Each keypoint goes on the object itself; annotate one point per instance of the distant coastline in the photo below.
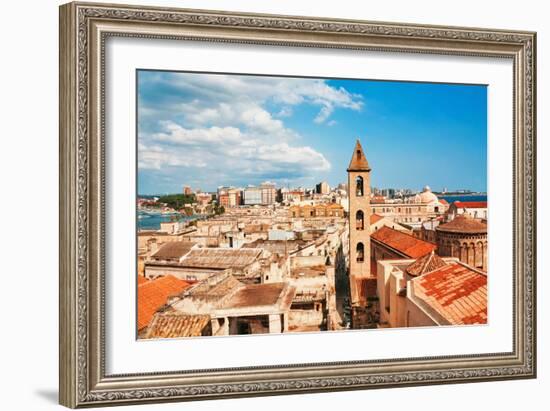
(463, 197)
(151, 221)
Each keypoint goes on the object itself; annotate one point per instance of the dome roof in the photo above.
(464, 223)
(427, 197)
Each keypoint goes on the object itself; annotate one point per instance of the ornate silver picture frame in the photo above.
(84, 30)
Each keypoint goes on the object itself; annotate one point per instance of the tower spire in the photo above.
(358, 159)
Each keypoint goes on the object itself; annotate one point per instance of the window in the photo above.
(359, 220)
(359, 186)
(360, 252)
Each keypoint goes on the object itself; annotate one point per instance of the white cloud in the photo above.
(246, 115)
(284, 112)
(232, 126)
(323, 114)
(228, 148)
(228, 90)
(156, 158)
(173, 133)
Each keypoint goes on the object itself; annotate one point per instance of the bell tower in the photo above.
(359, 224)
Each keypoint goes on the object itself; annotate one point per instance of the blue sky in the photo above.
(207, 130)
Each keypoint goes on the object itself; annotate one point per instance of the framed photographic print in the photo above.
(260, 204)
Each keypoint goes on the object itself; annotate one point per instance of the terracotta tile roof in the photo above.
(378, 200)
(221, 257)
(443, 201)
(257, 295)
(358, 160)
(177, 325)
(456, 292)
(374, 218)
(153, 294)
(215, 290)
(464, 223)
(173, 250)
(425, 264)
(280, 247)
(470, 204)
(406, 244)
(141, 280)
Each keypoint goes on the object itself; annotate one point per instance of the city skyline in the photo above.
(381, 190)
(207, 130)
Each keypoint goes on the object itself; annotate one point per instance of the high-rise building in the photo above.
(359, 224)
(322, 188)
(343, 186)
(252, 195)
(229, 196)
(268, 193)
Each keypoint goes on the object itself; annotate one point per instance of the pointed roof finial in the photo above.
(358, 159)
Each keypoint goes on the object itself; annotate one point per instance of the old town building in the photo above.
(476, 209)
(414, 210)
(200, 263)
(464, 238)
(430, 291)
(314, 305)
(292, 196)
(378, 221)
(317, 210)
(238, 308)
(390, 244)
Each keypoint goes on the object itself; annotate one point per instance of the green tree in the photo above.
(177, 201)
